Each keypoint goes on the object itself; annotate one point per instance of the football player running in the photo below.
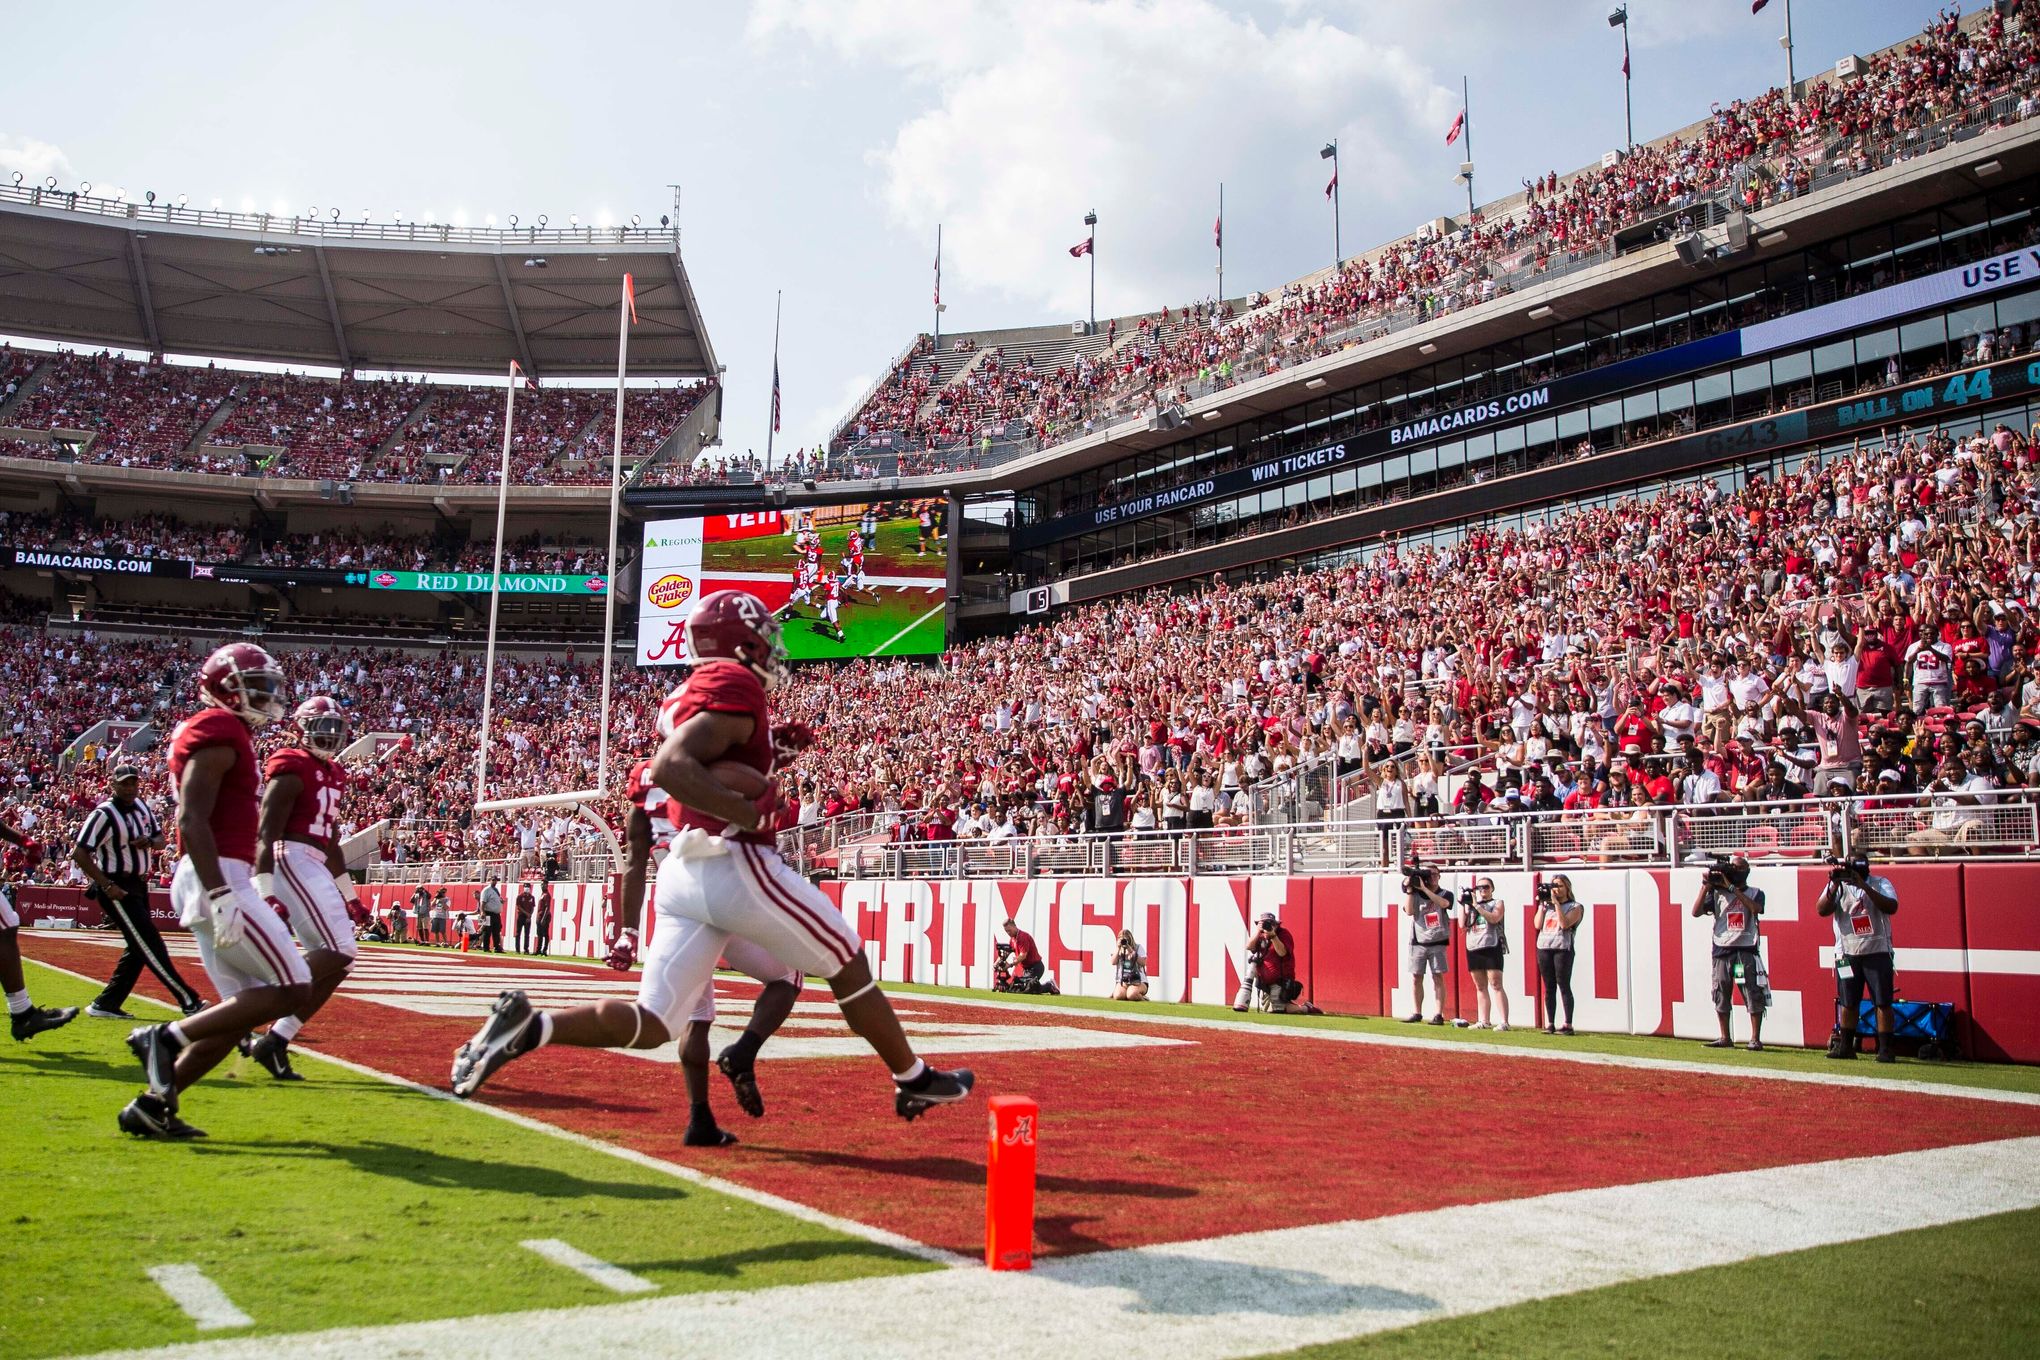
(298, 863)
(722, 881)
(647, 836)
(245, 947)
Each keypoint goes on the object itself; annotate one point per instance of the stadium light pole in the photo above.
(1091, 221)
(1619, 18)
(1331, 153)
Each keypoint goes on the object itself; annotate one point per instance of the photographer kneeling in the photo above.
(1862, 905)
(1271, 968)
(1429, 908)
(1487, 946)
(1727, 896)
(1129, 970)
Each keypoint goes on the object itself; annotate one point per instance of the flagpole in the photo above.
(938, 290)
(626, 313)
(1791, 81)
(1221, 240)
(772, 420)
(1091, 221)
(1466, 114)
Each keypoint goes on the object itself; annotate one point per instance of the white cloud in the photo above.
(36, 160)
(1041, 110)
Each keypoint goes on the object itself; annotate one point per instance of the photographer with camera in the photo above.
(1028, 967)
(1129, 970)
(1487, 943)
(1558, 917)
(1861, 905)
(1271, 969)
(1430, 911)
(1726, 895)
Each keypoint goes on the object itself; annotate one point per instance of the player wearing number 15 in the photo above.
(298, 865)
(245, 949)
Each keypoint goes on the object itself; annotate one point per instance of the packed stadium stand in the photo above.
(1699, 488)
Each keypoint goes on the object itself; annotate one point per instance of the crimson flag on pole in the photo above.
(775, 392)
(1333, 185)
(1218, 230)
(1452, 133)
(1625, 66)
(1081, 249)
(1757, 6)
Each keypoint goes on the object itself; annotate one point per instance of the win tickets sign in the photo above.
(853, 580)
(669, 582)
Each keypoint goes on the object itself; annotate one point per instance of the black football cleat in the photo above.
(38, 1019)
(274, 1056)
(743, 1084)
(510, 1031)
(157, 1052)
(99, 1012)
(147, 1117)
(711, 1136)
(933, 1087)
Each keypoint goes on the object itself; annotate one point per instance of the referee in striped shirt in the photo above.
(113, 849)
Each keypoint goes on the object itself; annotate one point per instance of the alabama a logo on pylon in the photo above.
(1022, 1132)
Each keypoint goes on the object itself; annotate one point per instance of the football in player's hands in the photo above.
(739, 778)
(622, 950)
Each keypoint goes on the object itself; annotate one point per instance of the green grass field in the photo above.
(343, 1200)
(1970, 1290)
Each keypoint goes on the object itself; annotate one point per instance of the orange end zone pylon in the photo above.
(1009, 1183)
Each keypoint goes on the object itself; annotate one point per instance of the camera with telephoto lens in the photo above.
(1544, 894)
(1725, 874)
(1842, 869)
(1414, 872)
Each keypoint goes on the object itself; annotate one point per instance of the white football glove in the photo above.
(227, 922)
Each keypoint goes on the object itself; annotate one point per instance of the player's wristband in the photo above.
(264, 885)
(344, 881)
(223, 891)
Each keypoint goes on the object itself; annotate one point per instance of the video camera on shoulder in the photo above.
(1415, 872)
(1844, 869)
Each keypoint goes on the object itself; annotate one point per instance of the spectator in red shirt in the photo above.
(1027, 961)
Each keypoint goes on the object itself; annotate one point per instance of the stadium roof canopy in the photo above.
(351, 295)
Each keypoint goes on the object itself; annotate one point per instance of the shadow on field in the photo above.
(86, 1065)
(1185, 1286)
(444, 1171)
(963, 1171)
(733, 1262)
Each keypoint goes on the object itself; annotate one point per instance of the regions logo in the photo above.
(670, 591)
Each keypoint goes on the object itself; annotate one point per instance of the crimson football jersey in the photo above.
(657, 805)
(722, 687)
(315, 816)
(233, 812)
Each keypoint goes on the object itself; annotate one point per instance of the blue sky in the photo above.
(818, 142)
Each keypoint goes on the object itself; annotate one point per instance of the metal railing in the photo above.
(1923, 826)
(329, 225)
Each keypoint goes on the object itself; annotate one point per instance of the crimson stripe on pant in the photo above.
(805, 916)
(311, 904)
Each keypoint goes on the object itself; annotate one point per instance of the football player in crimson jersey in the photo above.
(647, 835)
(246, 949)
(24, 1018)
(722, 880)
(298, 863)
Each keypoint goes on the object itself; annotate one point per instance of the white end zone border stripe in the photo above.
(1237, 1296)
(204, 1302)
(792, 1208)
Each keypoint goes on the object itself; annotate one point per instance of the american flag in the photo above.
(775, 392)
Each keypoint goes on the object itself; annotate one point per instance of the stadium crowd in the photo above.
(1757, 151)
(103, 409)
(1864, 625)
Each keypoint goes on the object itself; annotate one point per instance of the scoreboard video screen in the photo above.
(864, 579)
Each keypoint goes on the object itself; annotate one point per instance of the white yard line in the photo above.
(610, 1277)
(879, 650)
(1244, 1295)
(204, 1302)
(792, 1208)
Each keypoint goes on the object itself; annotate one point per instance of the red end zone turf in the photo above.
(1231, 1132)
